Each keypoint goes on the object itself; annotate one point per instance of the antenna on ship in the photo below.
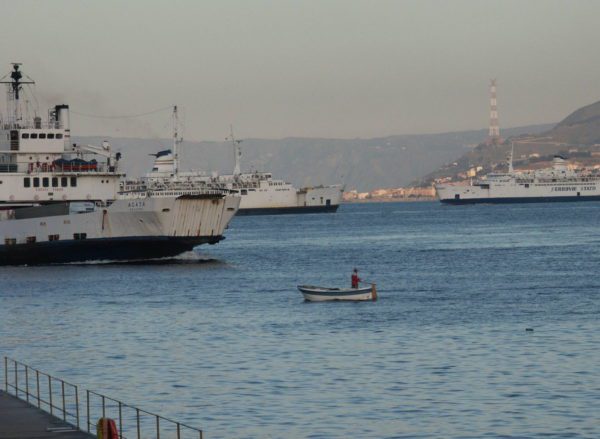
(15, 85)
(237, 151)
(510, 158)
(176, 141)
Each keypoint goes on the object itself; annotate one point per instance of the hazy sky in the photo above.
(337, 68)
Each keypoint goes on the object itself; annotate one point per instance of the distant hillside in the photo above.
(582, 127)
(577, 137)
(363, 164)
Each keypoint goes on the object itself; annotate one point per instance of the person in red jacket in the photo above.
(355, 279)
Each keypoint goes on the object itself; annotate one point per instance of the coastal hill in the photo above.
(363, 164)
(577, 138)
(582, 127)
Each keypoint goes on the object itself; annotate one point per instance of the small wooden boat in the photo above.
(320, 294)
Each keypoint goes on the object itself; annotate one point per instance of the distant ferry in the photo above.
(558, 183)
(261, 194)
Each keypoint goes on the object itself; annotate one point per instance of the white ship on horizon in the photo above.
(558, 183)
(261, 194)
(62, 202)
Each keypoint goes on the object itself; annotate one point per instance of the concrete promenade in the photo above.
(19, 420)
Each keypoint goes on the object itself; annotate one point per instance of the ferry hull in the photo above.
(102, 249)
(287, 210)
(130, 229)
(513, 200)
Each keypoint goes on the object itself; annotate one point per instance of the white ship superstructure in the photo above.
(558, 183)
(61, 202)
(260, 192)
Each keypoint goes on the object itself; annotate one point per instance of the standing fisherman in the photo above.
(355, 279)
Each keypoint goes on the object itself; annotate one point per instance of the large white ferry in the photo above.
(261, 194)
(558, 183)
(61, 202)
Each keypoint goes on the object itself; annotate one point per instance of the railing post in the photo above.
(27, 383)
(87, 401)
(6, 374)
(50, 391)
(138, 423)
(16, 380)
(201, 436)
(103, 407)
(120, 421)
(37, 380)
(157, 427)
(178, 431)
(77, 405)
(63, 400)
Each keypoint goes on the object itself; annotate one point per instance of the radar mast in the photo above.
(510, 158)
(237, 151)
(176, 141)
(13, 89)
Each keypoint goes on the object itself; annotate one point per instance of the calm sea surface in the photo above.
(223, 340)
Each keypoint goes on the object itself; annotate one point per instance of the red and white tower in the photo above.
(494, 133)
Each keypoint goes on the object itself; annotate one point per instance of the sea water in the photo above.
(222, 340)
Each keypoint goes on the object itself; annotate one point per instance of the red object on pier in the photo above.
(106, 428)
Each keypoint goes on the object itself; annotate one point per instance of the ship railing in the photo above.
(83, 168)
(174, 186)
(82, 409)
(30, 125)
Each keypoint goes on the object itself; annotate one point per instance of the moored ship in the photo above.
(261, 194)
(62, 202)
(558, 183)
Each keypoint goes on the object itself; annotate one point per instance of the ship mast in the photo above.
(14, 87)
(176, 141)
(237, 151)
(510, 158)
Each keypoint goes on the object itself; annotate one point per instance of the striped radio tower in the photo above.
(494, 134)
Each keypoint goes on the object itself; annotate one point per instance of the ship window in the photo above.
(25, 136)
(45, 182)
(51, 135)
(59, 135)
(42, 135)
(64, 181)
(53, 237)
(27, 182)
(34, 135)
(73, 181)
(30, 239)
(526, 185)
(244, 192)
(54, 181)
(36, 182)
(79, 236)
(10, 241)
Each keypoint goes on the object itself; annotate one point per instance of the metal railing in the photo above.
(61, 399)
(53, 395)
